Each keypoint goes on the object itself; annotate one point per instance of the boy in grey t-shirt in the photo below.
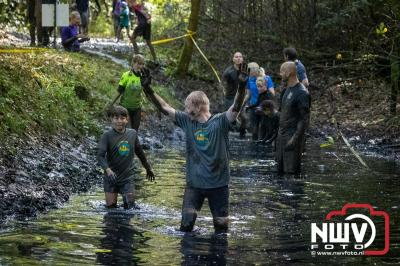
(207, 156)
(115, 155)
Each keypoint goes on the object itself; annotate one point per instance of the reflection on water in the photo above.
(204, 250)
(270, 216)
(117, 246)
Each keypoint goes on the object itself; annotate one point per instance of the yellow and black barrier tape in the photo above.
(22, 50)
(172, 39)
(190, 34)
(205, 58)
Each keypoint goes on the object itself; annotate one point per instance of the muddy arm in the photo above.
(101, 152)
(70, 40)
(234, 110)
(142, 157)
(159, 102)
(301, 127)
(140, 154)
(271, 139)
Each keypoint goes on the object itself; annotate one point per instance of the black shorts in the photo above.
(218, 200)
(119, 187)
(135, 116)
(143, 30)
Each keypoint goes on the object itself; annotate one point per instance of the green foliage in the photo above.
(102, 25)
(168, 94)
(37, 92)
(381, 29)
(169, 17)
(13, 12)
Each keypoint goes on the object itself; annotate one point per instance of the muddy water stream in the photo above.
(270, 217)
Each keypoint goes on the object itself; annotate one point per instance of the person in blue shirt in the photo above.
(255, 94)
(124, 20)
(265, 86)
(290, 54)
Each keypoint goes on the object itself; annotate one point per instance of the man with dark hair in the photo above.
(207, 143)
(290, 54)
(230, 82)
(294, 118)
(115, 155)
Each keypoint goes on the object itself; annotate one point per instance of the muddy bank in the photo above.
(41, 173)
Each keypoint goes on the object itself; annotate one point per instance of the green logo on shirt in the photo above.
(201, 137)
(124, 148)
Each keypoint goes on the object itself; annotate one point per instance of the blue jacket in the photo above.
(252, 86)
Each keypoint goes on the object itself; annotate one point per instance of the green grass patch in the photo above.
(53, 90)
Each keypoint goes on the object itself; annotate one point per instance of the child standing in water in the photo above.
(115, 155)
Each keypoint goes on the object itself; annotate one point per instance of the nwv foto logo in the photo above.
(350, 232)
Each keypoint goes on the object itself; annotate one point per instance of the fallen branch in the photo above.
(353, 150)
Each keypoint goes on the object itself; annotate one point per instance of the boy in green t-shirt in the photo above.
(130, 91)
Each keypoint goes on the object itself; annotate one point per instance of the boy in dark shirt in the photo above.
(115, 155)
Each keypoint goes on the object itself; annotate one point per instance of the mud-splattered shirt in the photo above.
(116, 150)
(131, 90)
(230, 76)
(293, 99)
(207, 155)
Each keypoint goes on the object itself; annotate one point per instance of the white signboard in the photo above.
(62, 15)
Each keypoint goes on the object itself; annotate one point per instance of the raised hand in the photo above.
(243, 74)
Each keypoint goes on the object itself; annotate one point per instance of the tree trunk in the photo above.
(395, 81)
(187, 51)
